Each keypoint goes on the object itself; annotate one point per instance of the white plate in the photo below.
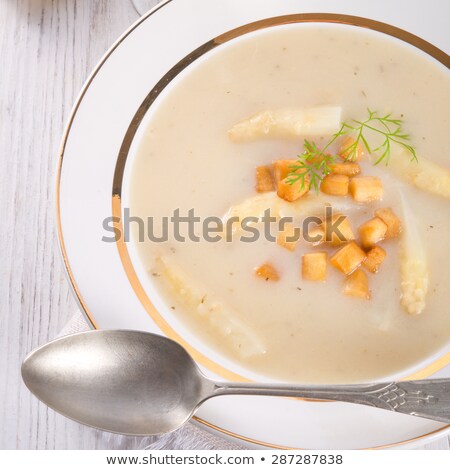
(102, 275)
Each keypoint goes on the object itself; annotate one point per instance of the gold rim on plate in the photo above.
(123, 155)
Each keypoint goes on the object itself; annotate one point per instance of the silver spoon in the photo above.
(131, 382)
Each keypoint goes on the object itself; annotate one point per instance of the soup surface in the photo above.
(293, 329)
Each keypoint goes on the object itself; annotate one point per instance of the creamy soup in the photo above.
(291, 327)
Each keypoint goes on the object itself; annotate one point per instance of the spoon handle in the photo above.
(425, 398)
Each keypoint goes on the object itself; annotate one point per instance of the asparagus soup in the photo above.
(341, 131)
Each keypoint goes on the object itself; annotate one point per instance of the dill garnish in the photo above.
(314, 164)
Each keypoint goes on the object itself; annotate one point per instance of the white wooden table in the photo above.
(47, 49)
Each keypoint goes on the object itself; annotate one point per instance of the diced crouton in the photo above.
(292, 192)
(348, 258)
(267, 272)
(338, 230)
(335, 185)
(264, 179)
(372, 232)
(394, 225)
(346, 168)
(374, 259)
(281, 168)
(350, 151)
(366, 188)
(314, 266)
(289, 192)
(357, 285)
(315, 235)
(288, 237)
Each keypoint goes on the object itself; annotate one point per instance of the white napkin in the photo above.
(189, 437)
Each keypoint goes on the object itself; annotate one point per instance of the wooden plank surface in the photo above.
(47, 49)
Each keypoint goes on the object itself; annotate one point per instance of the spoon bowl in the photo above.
(103, 379)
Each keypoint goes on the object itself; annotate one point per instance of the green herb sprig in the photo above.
(314, 164)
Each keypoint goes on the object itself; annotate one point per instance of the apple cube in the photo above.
(348, 258)
(357, 285)
(374, 259)
(264, 179)
(366, 188)
(372, 232)
(335, 185)
(394, 225)
(314, 266)
(267, 272)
